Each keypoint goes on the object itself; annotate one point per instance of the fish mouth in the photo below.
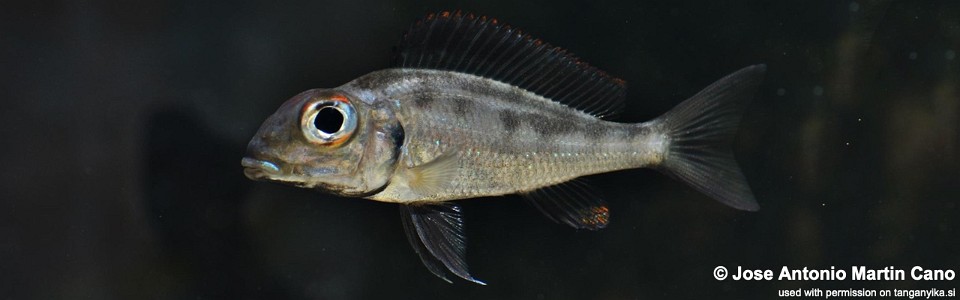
(258, 169)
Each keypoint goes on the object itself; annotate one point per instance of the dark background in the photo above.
(123, 124)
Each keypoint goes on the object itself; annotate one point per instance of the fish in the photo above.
(476, 108)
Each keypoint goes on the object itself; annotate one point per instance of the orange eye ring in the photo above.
(328, 121)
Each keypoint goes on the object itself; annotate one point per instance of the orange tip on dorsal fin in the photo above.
(483, 46)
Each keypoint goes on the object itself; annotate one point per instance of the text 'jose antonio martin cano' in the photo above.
(858, 273)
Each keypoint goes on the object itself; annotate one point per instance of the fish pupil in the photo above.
(329, 120)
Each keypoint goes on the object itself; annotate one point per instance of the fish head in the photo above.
(326, 139)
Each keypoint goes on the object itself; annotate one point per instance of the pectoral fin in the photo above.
(436, 233)
(573, 203)
(432, 177)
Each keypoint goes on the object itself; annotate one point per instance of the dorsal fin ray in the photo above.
(455, 41)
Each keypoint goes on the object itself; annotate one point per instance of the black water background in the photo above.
(123, 125)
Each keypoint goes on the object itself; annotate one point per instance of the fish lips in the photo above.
(259, 169)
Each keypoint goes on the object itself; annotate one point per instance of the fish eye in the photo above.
(328, 121)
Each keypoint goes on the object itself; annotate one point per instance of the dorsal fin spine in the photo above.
(540, 65)
(601, 108)
(510, 61)
(534, 54)
(478, 54)
(517, 74)
(450, 38)
(476, 49)
(602, 89)
(548, 78)
(544, 73)
(435, 58)
(467, 22)
(427, 37)
(559, 83)
(577, 88)
(425, 33)
(444, 37)
(506, 37)
(472, 42)
(498, 62)
(564, 92)
(590, 82)
(543, 82)
(605, 107)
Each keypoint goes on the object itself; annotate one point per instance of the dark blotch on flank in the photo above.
(424, 100)
(549, 126)
(510, 120)
(462, 106)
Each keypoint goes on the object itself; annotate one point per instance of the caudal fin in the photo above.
(700, 132)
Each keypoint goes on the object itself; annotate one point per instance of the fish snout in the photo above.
(259, 169)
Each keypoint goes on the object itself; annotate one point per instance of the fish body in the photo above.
(475, 108)
(499, 139)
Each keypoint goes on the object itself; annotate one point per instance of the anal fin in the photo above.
(573, 203)
(436, 233)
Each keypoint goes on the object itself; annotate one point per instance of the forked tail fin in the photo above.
(700, 132)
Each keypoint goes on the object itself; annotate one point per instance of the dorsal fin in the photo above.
(482, 46)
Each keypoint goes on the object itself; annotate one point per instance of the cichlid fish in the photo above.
(476, 108)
